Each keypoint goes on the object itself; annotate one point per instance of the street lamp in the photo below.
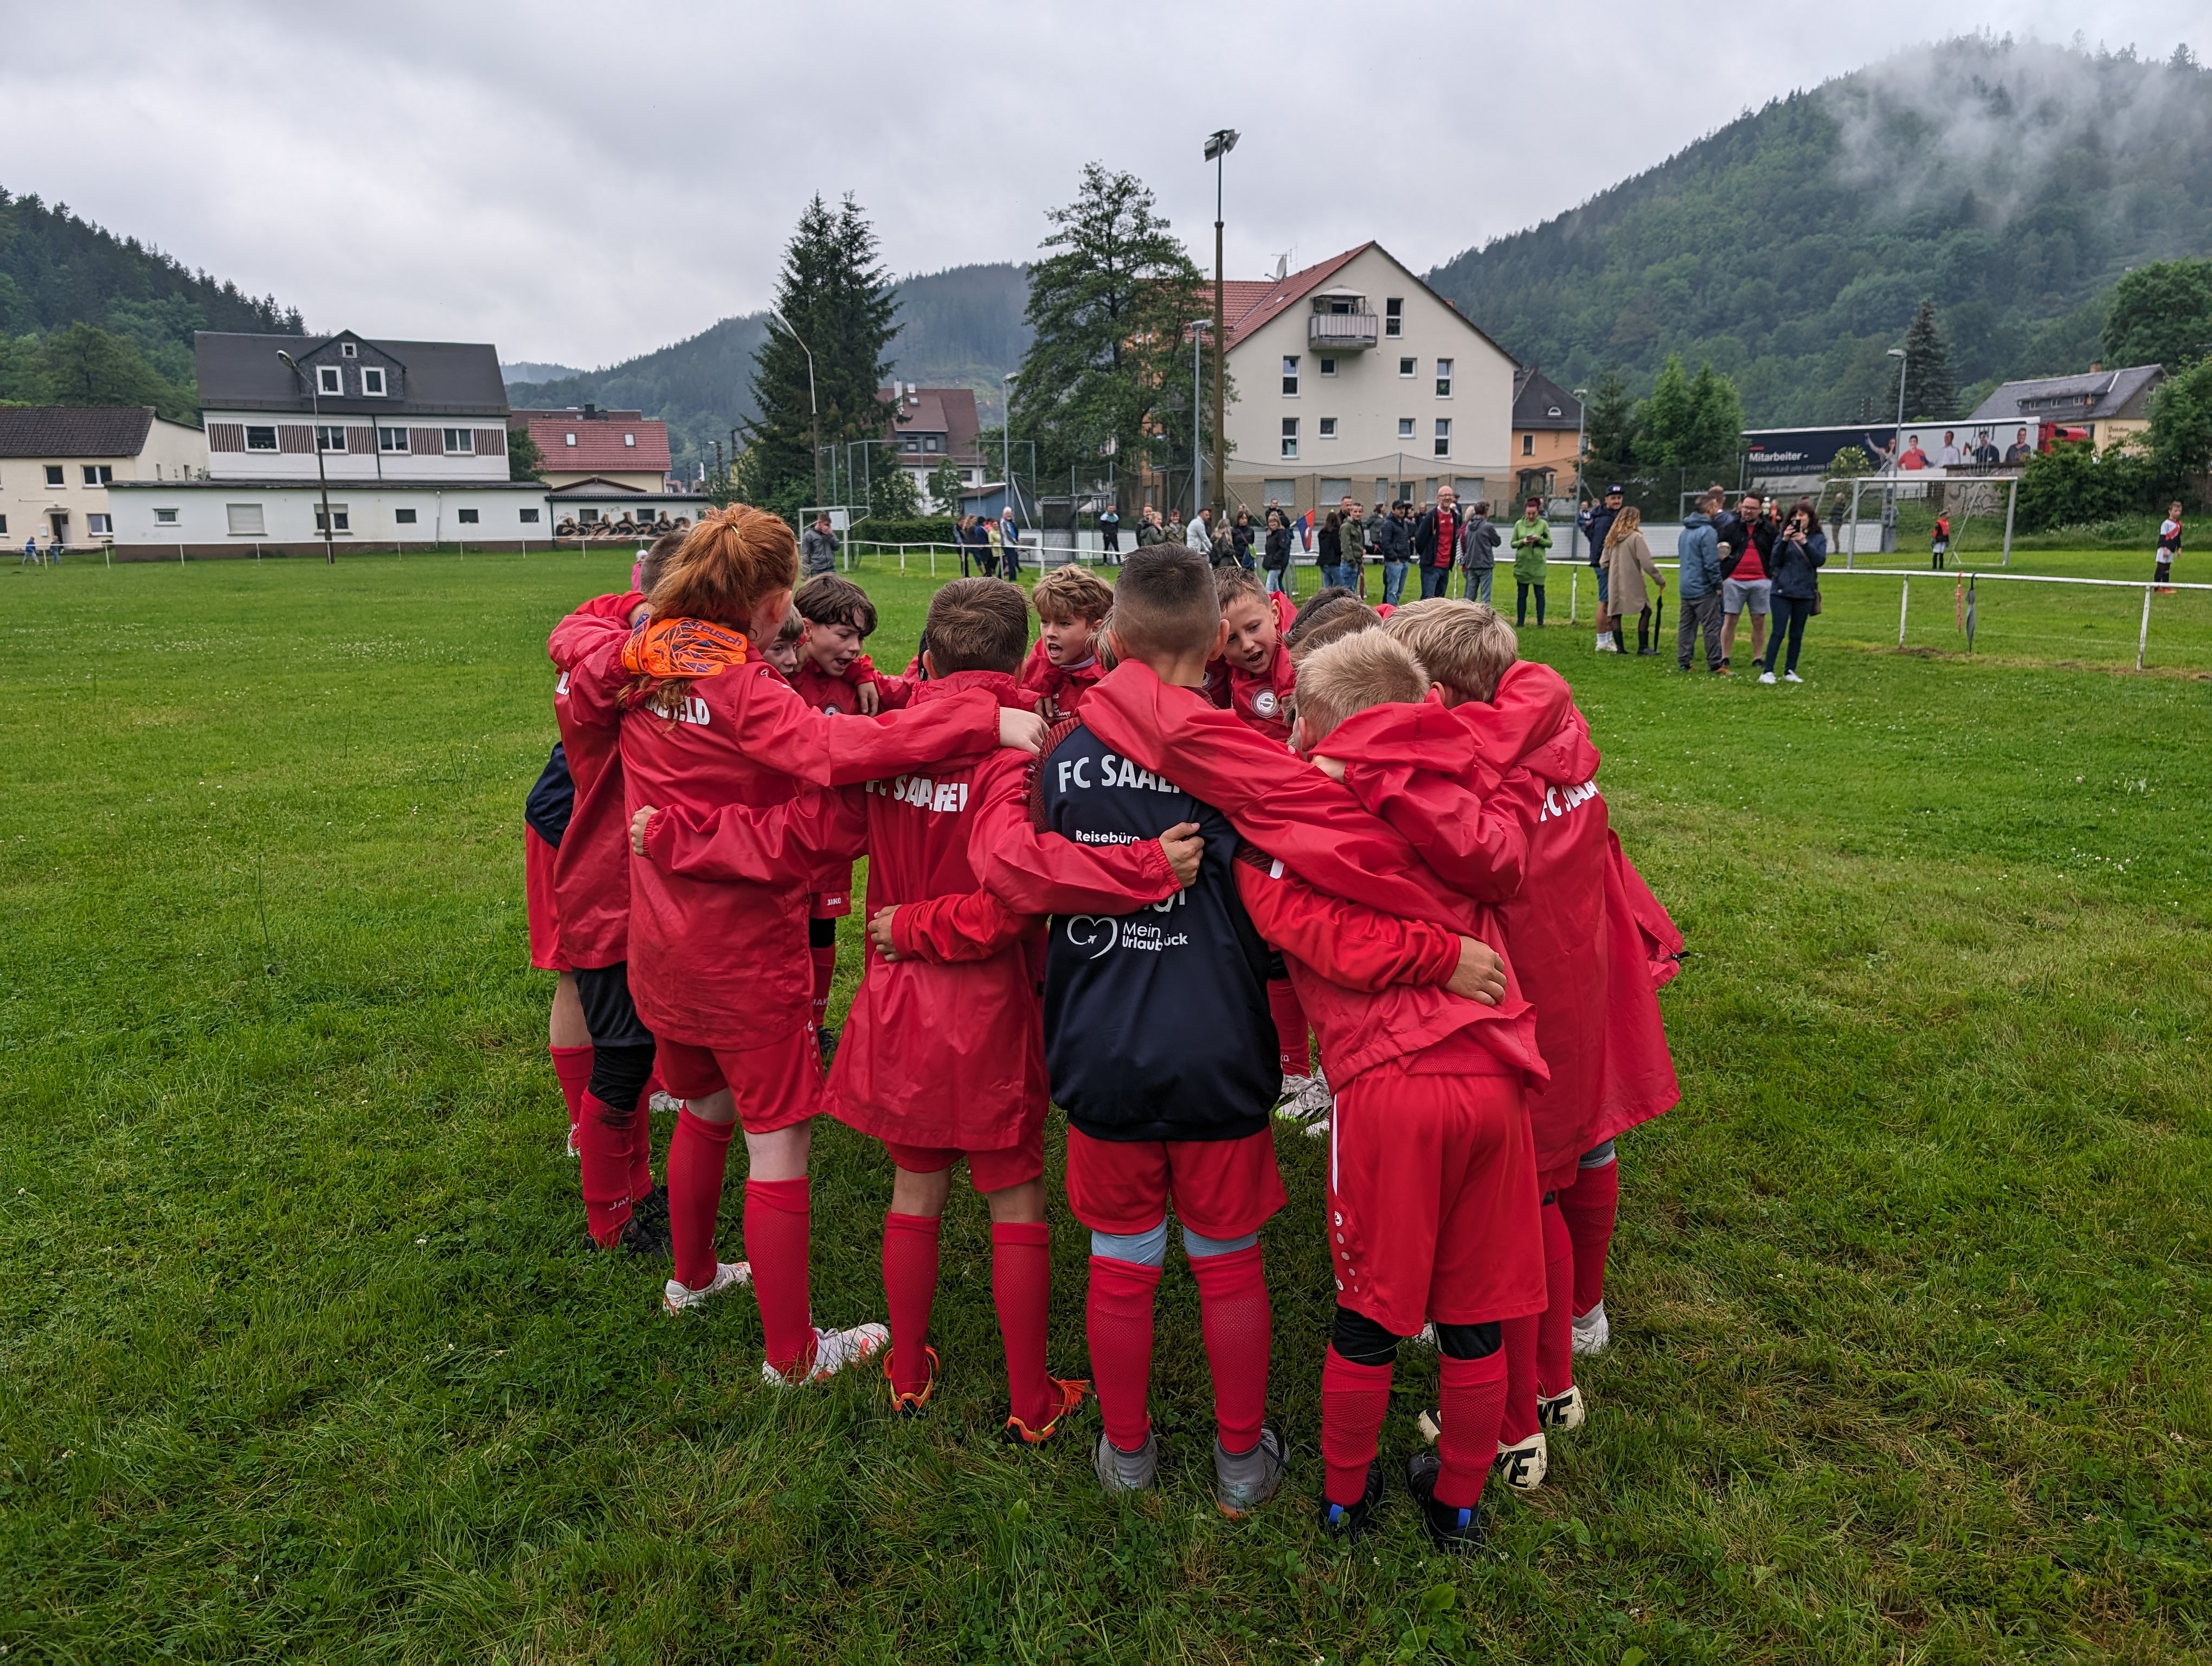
(1217, 146)
(1006, 442)
(1897, 438)
(1574, 531)
(1896, 456)
(1198, 328)
(813, 405)
(315, 405)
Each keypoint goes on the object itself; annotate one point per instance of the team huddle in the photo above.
(1139, 871)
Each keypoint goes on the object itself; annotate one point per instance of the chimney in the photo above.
(2096, 367)
(590, 412)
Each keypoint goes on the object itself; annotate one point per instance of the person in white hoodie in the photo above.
(1199, 535)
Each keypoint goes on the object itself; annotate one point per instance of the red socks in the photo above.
(1555, 1329)
(1588, 1208)
(775, 1243)
(1120, 1326)
(572, 1069)
(605, 1162)
(910, 1285)
(1290, 1026)
(1232, 1297)
(1021, 1286)
(640, 1155)
(1472, 1409)
(825, 968)
(697, 1153)
(1353, 1402)
(1520, 1352)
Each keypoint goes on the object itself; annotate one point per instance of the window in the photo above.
(100, 525)
(1393, 316)
(404, 517)
(932, 442)
(909, 443)
(1333, 492)
(1405, 427)
(629, 439)
(260, 439)
(1443, 436)
(348, 350)
(244, 519)
(589, 516)
(1284, 492)
(1409, 366)
(569, 439)
(329, 379)
(530, 516)
(372, 382)
(1328, 427)
(164, 518)
(1289, 436)
(468, 516)
(1329, 366)
(391, 439)
(3, 526)
(340, 519)
(99, 474)
(1290, 375)
(54, 471)
(460, 442)
(329, 437)
(1444, 379)
(1527, 445)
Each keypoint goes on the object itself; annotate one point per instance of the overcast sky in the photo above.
(581, 183)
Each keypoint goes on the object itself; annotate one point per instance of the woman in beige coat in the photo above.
(1627, 563)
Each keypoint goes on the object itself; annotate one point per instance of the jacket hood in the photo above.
(1399, 735)
(1696, 518)
(998, 684)
(1532, 723)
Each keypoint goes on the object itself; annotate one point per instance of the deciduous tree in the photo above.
(2161, 314)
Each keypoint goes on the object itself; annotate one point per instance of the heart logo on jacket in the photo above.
(1085, 930)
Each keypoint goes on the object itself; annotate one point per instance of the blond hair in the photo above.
(1368, 668)
(1629, 521)
(1466, 646)
(1071, 592)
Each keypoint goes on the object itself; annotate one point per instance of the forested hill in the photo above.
(961, 328)
(88, 318)
(2011, 183)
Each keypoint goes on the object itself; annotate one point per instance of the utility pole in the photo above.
(813, 404)
(1198, 326)
(1575, 529)
(1006, 442)
(315, 405)
(1217, 148)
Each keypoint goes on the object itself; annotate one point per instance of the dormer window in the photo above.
(629, 439)
(569, 439)
(348, 349)
(329, 378)
(372, 382)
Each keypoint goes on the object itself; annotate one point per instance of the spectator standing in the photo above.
(1698, 585)
(1177, 534)
(1109, 533)
(1275, 559)
(1532, 541)
(1745, 586)
(2169, 546)
(1477, 551)
(1150, 529)
(991, 539)
(1199, 534)
(960, 531)
(1327, 544)
(1597, 524)
(1800, 549)
(1393, 540)
(1435, 542)
(1939, 542)
(1010, 544)
(1242, 536)
(1628, 564)
(817, 550)
(1351, 544)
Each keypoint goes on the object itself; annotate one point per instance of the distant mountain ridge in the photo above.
(2011, 182)
(959, 328)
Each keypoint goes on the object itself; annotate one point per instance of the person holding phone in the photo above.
(1800, 549)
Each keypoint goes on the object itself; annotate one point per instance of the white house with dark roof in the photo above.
(1354, 376)
(58, 463)
(2107, 404)
(931, 427)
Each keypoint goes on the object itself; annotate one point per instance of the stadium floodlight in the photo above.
(1218, 145)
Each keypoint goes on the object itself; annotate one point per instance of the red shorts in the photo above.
(1433, 1200)
(537, 900)
(988, 1171)
(777, 1085)
(1221, 1188)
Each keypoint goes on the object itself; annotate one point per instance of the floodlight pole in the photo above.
(315, 406)
(812, 403)
(1198, 329)
(1574, 523)
(1216, 149)
(1006, 442)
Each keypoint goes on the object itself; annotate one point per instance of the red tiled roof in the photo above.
(1246, 305)
(599, 448)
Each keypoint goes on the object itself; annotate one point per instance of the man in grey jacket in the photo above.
(1697, 589)
(818, 548)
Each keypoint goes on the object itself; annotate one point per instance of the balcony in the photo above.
(1343, 331)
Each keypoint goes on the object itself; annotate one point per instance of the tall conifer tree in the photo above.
(1931, 391)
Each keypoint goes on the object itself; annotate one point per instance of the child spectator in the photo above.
(1072, 602)
(2169, 546)
(1939, 542)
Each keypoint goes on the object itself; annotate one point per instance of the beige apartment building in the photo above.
(56, 462)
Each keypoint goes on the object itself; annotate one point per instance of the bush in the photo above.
(914, 529)
(2075, 484)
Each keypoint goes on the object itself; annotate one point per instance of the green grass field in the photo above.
(302, 1355)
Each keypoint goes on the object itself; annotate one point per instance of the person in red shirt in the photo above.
(944, 1055)
(718, 969)
(1072, 602)
(788, 648)
(1517, 769)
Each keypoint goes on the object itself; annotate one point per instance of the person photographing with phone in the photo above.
(1800, 549)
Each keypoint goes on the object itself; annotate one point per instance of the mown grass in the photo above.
(301, 1357)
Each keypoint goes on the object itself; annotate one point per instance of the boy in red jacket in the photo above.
(944, 1058)
(1575, 948)
(1072, 602)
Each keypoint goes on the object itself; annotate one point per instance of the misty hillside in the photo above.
(2011, 182)
(961, 328)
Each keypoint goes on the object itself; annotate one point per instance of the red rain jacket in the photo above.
(727, 964)
(944, 1046)
(590, 868)
(1064, 685)
(833, 697)
(1291, 811)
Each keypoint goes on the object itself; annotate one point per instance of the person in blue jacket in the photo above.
(1698, 587)
(1801, 551)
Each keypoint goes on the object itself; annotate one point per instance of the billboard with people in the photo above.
(1933, 449)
